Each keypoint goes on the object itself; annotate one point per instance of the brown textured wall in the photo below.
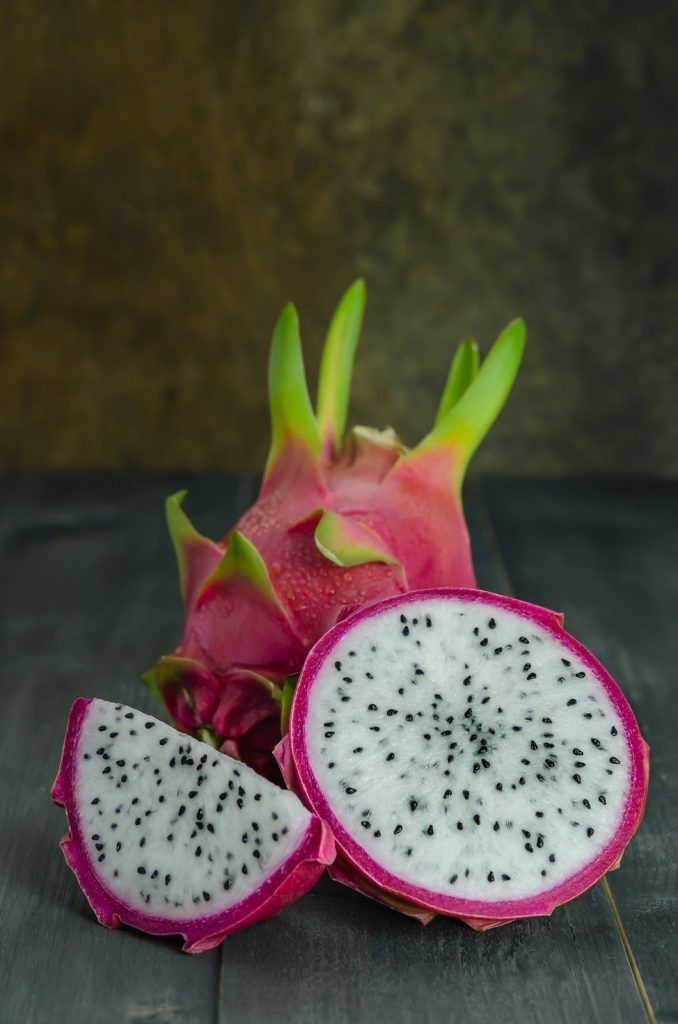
(171, 173)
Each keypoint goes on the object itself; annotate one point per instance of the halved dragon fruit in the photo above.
(172, 837)
(342, 518)
(469, 755)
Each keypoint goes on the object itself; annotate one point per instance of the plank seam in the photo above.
(492, 541)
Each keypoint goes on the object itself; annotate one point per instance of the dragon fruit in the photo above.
(172, 837)
(341, 519)
(470, 756)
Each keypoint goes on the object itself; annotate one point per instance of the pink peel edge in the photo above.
(478, 914)
(289, 881)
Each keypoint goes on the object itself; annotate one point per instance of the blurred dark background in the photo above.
(171, 173)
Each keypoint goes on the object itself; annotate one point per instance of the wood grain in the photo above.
(606, 554)
(88, 599)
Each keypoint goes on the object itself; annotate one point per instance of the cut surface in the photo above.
(463, 747)
(169, 828)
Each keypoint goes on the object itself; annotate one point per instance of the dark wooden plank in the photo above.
(88, 599)
(335, 956)
(606, 553)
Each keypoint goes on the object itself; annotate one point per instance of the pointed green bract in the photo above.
(243, 561)
(292, 416)
(196, 555)
(336, 366)
(463, 372)
(286, 702)
(347, 542)
(463, 428)
(150, 680)
(206, 734)
(184, 537)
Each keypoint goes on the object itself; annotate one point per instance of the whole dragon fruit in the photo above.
(341, 519)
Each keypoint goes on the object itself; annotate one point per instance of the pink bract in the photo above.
(341, 519)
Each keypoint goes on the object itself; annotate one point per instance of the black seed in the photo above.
(391, 712)
(141, 871)
(389, 757)
(571, 702)
(198, 851)
(528, 847)
(476, 818)
(460, 826)
(577, 751)
(405, 630)
(476, 768)
(614, 760)
(467, 681)
(577, 778)
(413, 805)
(613, 731)
(533, 745)
(506, 878)
(552, 858)
(193, 793)
(496, 826)
(227, 884)
(532, 675)
(589, 832)
(147, 725)
(549, 763)
(142, 841)
(329, 735)
(163, 741)
(490, 877)
(365, 824)
(350, 790)
(579, 675)
(602, 799)
(453, 879)
(499, 786)
(448, 792)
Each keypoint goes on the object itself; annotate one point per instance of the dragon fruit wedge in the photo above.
(172, 837)
(341, 519)
(469, 755)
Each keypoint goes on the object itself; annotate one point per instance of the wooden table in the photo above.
(89, 599)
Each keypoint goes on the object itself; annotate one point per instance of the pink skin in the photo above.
(355, 867)
(409, 503)
(290, 881)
